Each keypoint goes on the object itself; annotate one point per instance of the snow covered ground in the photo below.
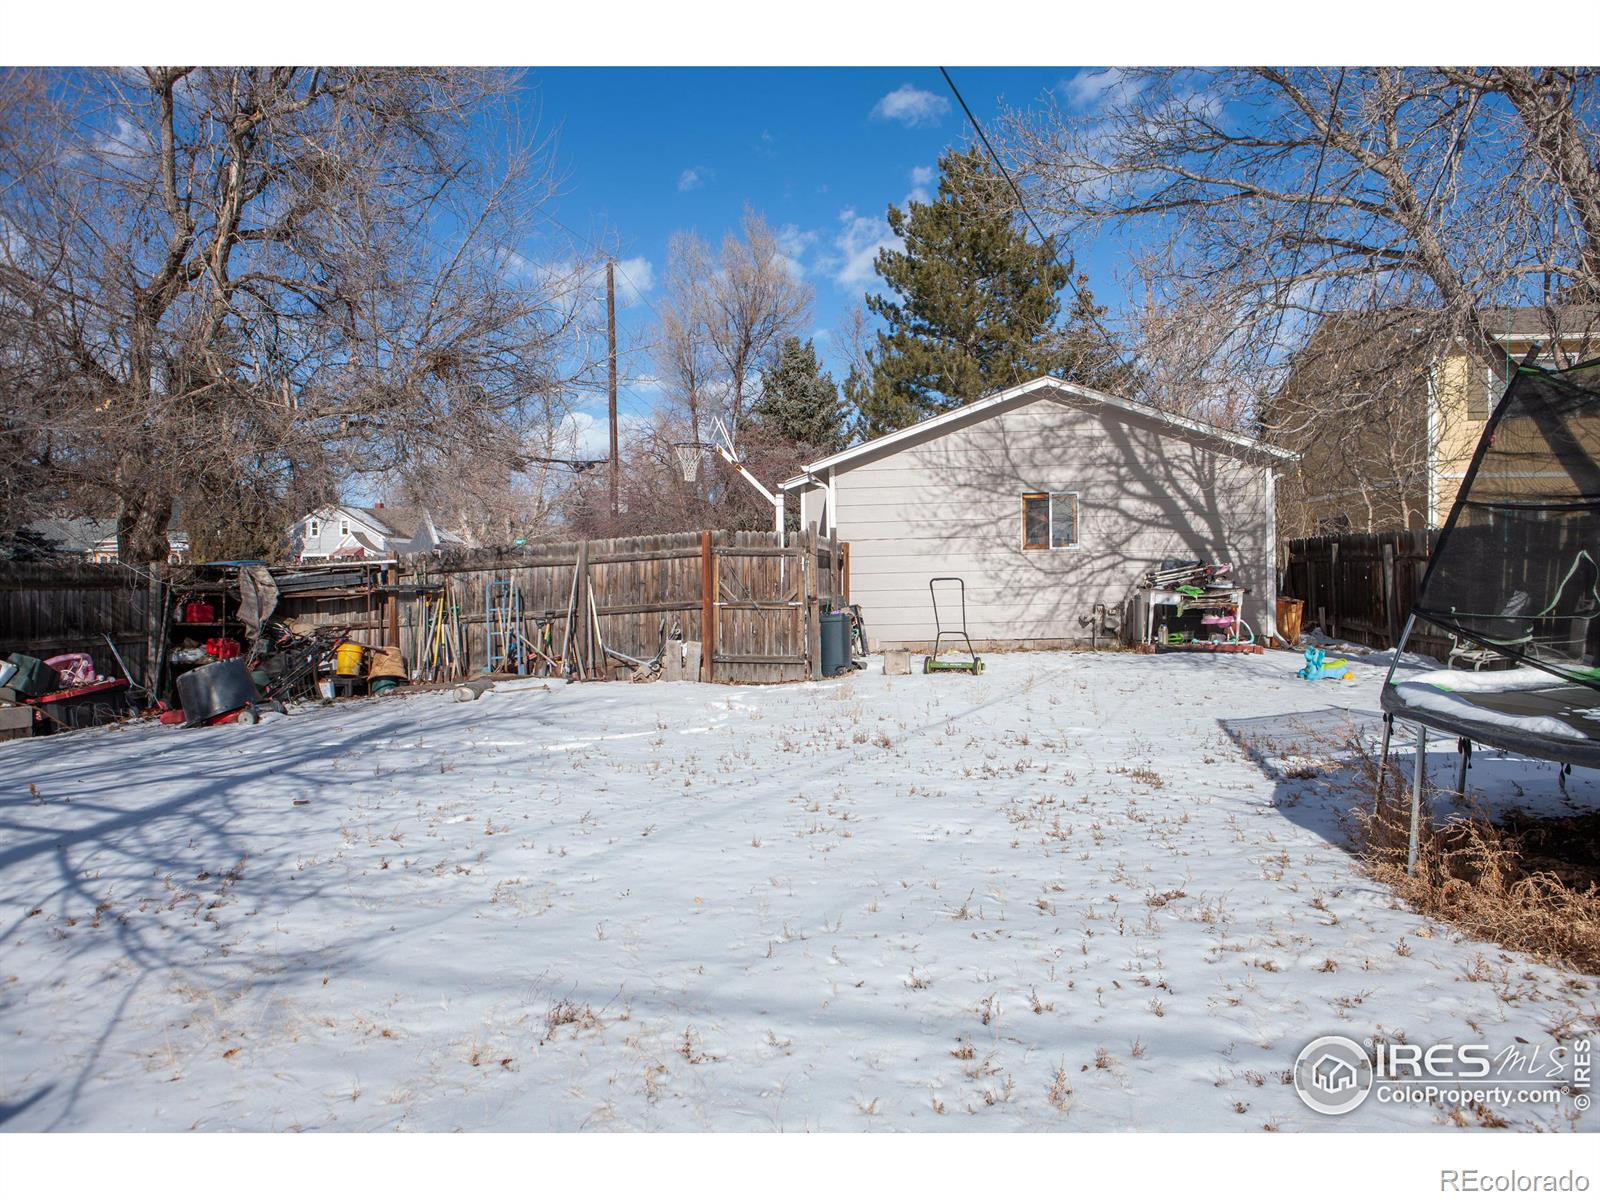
(1059, 896)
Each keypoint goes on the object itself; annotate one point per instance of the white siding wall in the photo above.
(813, 501)
(951, 505)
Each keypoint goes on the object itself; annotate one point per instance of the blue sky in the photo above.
(820, 152)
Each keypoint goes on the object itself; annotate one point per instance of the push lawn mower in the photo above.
(971, 664)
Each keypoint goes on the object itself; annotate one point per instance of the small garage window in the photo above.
(1049, 520)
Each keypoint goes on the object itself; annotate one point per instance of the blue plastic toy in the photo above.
(1319, 666)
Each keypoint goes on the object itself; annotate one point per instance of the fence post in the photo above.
(156, 617)
(708, 609)
(813, 605)
(844, 570)
(580, 613)
(1391, 601)
(1333, 589)
(393, 605)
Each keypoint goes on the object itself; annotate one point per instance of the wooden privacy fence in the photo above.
(761, 602)
(48, 609)
(1360, 586)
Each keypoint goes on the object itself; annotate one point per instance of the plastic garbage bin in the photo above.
(835, 643)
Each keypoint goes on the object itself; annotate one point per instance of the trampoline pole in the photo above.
(1383, 755)
(1416, 798)
(1464, 748)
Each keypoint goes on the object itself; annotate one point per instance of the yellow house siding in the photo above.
(1455, 430)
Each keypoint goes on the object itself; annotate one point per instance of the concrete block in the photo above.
(691, 662)
(672, 662)
(897, 662)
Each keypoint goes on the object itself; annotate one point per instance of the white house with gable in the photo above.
(348, 531)
(1049, 500)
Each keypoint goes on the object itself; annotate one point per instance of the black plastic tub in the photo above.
(215, 689)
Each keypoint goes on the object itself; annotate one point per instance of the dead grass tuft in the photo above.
(1060, 1093)
(566, 1013)
(1526, 883)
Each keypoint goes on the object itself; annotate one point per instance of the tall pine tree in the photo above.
(799, 402)
(974, 305)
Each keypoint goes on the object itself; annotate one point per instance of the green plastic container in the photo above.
(33, 677)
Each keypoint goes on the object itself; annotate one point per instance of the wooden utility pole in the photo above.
(611, 384)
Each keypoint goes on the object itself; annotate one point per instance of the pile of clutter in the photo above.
(1189, 576)
(62, 692)
(1189, 604)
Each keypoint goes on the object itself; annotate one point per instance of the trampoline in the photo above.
(1516, 573)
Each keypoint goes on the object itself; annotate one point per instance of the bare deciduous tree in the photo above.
(1331, 190)
(1284, 199)
(251, 281)
(683, 354)
(751, 303)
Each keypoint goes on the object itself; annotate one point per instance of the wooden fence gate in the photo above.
(765, 604)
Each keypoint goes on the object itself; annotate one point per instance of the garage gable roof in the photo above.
(1058, 389)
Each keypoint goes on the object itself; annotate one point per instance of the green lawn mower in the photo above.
(934, 663)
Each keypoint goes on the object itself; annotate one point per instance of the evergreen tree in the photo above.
(799, 401)
(974, 305)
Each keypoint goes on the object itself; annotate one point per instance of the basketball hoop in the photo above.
(688, 459)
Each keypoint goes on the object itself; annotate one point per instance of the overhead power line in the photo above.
(1047, 243)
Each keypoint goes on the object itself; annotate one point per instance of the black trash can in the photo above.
(835, 643)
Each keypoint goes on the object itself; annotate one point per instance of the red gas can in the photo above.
(198, 612)
(223, 647)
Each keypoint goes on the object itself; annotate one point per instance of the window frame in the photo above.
(313, 527)
(1050, 499)
(344, 526)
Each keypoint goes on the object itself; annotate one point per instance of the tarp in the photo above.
(258, 598)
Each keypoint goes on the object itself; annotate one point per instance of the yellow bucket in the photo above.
(347, 658)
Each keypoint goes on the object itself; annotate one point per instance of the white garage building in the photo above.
(1048, 500)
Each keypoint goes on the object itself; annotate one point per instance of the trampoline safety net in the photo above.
(1516, 569)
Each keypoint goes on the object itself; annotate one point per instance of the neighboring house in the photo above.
(1386, 423)
(94, 539)
(1049, 500)
(347, 531)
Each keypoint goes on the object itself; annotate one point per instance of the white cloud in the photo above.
(588, 434)
(911, 106)
(692, 179)
(793, 242)
(1092, 90)
(587, 280)
(125, 140)
(857, 244)
(635, 277)
(859, 238)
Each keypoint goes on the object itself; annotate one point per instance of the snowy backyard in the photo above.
(1067, 894)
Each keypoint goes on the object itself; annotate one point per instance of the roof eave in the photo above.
(1042, 383)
